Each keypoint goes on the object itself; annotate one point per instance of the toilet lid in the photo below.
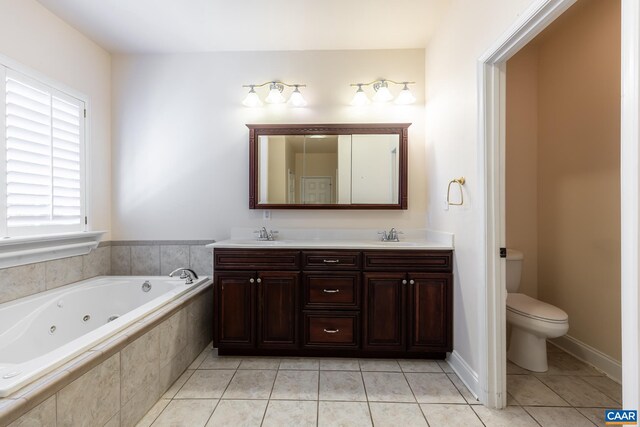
(531, 307)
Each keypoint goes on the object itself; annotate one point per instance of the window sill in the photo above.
(16, 251)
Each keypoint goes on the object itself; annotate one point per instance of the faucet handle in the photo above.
(384, 235)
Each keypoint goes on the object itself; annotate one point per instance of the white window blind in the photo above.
(44, 133)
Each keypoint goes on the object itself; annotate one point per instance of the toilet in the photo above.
(532, 321)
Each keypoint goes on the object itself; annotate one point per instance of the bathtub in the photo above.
(43, 331)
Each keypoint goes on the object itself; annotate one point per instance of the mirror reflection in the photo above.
(328, 169)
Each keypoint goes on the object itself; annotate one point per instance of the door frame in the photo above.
(492, 101)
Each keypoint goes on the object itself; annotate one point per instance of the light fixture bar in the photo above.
(382, 93)
(275, 95)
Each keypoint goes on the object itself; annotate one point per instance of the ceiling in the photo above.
(173, 26)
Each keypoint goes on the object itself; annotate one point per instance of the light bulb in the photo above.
(382, 93)
(405, 96)
(360, 98)
(252, 99)
(296, 99)
(275, 95)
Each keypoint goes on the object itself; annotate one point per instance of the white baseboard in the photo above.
(468, 376)
(611, 367)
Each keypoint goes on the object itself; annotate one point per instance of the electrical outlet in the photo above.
(266, 215)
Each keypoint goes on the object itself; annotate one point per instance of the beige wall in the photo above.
(578, 169)
(36, 38)
(522, 163)
(277, 164)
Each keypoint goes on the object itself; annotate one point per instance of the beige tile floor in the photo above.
(262, 391)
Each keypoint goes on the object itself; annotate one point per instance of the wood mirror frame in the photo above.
(257, 130)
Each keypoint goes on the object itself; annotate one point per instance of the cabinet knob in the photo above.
(331, 291)
(331, 261)
(404, 282)
(411, 282)
(331, 331)
(259, 280)
(251, 280)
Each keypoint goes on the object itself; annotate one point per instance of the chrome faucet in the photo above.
(186, 273)
(264, 235)
(391, 235)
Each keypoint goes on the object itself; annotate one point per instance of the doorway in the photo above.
(492, 72)
(562, 211)
(316, 190)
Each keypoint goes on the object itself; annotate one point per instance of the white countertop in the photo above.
(337, 239)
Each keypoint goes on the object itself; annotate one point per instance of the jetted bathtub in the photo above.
(41, 332)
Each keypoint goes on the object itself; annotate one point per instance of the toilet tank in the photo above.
(514, 269)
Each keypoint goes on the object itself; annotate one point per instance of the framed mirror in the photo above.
(331, 166)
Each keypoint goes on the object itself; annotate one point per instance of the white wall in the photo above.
(34, 37)
(180, 145)
(465, 33)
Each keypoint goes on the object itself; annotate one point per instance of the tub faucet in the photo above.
(186, 273)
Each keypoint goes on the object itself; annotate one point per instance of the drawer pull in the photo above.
(331, 331)
(331, 291)
(331, 261)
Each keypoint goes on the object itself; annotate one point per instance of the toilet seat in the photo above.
(529, 307)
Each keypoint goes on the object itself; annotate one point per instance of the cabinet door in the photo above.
(430, 312)
(384, 318)
(278, 309)
(235, 308)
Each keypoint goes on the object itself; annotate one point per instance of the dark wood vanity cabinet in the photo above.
(333, 302)
(257, 309)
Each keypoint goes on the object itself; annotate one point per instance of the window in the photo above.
(42, 152)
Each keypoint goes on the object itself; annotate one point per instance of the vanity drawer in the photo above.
(437, 260)
(331, 329)
(331, 260)
(234, 259)
(331, 289)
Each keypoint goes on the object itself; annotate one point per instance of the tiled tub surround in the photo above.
(116, 382)
(42, 331)
(121, 258)
(24, 280)
(160, 257)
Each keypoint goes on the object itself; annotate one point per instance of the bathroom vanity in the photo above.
(333, 298)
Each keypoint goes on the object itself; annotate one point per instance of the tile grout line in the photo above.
(318, 398)
(366, 395)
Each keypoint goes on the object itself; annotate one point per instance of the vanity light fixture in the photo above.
(360, 98)
(382, 93)
(405, 96)
(275, 95)
(252, 99)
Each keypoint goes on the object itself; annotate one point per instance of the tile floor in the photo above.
(263, 391)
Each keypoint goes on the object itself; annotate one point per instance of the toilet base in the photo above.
(527, 350)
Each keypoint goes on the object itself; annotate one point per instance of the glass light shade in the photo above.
(405, 96)
(383, 94)
(360, 98)
(275, 96)
(296, 99)
(252, 99)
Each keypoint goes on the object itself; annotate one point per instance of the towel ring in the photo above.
(460, 181)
